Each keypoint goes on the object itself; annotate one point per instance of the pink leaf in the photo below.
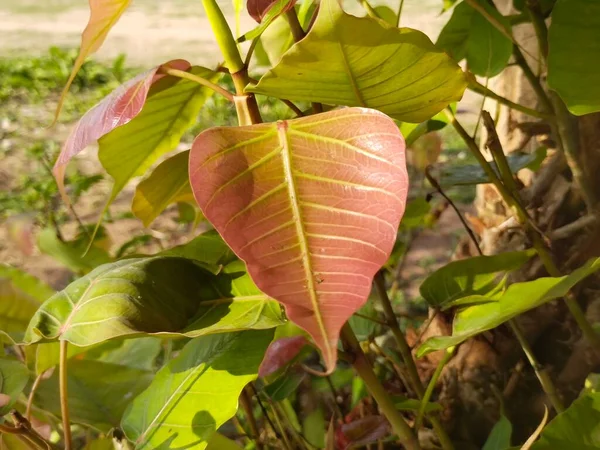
(362, 432)
(312, 205)
(116, 109)
(280, 353)
(259, 8)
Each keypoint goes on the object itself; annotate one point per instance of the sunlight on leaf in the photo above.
(312, 205)
(196, 392)
(346, 60)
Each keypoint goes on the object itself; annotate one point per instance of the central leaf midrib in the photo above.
(297, 215)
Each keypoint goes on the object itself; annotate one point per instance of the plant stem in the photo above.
(386, 406)
(64, 394)
(195, 78)
(246, 402)
(536, 16)
(405, 352)
(542, 375)
(533, 79)
(475, 86)
(224, 36)
(34, 388)
(431, 386)
(292, 19)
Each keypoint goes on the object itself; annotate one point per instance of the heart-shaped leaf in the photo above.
(346, 60)
(167, 184)
(312, 205)
(576, 428)
(14, 376)
(488, 313)
(118, 108)
(20, 296)
(172, 106)
(574, 54)
(159, 295)
(468, 34)
(99, 392)
(195, 393)
(472, 276)
(104, 14)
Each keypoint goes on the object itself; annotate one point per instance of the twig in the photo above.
(383, 399)
(246, 402)
(264, 410)
(34, 387)
(543, 377)
(371, 319)
(573, 227)
(195, 78)
(64, 394)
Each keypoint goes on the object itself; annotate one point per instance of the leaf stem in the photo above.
(388, 409)
(543, 377)
(406, 354)
(202, 81)
(431, 386)
(34, 388)
(64, 394)
(477, 87)
(224, 36)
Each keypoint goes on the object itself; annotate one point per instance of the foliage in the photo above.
(306, 194)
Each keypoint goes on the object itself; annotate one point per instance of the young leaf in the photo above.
(312, 205)
(468, 34)
(13, 379)
(346, 60)
(171, 108)
(98, 392)
(264, 11)
(576, 428)
(574, 54)
(159, 295)
(499, 438)
(471, 276)
(196, 392)
(517, 299)
(104, 14)
(118, 108)
(280, 353)
(362, 432)
(20, 296)
(167, 184)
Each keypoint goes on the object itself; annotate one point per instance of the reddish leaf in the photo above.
(361, 432)
(259, 8)
(104, 14)
(281, 352)
(116, 109)
(312, 205)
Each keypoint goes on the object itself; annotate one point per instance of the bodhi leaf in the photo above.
(468, 34)
(171, 108)
(576, 428)
(574, 54)
(99, 392)
(20, 296)
(118, 108)
(160, 295)
(104, 14)
(13, 379)
(167, 184)
(346, 60)
(312, 205)
(472, 276)
(488, 313)
(196, 392)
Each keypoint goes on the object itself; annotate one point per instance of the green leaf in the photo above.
(313, 427)
(193, 395)
(98, 392)
(471, 276)
(365, 328)
(163, 295)
(167, 184)
(20, 296)
(346, 60)
(139, 353)
(72, 254)
(412, 131)
(48, 355)
(13, 379)
(285, 385)
(412, 404)
(473, 174)
(499, 438)
(171, 108)
(517, 299)
(220, 442)
(576, 428)
(574, 54)
(208, 248)
(468, 34)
